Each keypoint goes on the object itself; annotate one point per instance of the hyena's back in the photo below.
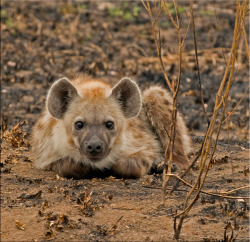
(157, 103)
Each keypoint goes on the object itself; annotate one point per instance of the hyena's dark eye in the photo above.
(109, 125)
(79, 125)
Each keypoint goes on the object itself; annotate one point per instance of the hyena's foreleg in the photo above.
(134, 166)
(70, 169)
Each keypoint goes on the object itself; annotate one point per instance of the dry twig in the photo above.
(197, 64)
(221, 101)
(158, 47)
(221, 194)
(219, 108)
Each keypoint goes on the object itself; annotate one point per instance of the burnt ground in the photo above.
(41, 42)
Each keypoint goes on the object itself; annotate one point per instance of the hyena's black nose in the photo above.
(94, 147)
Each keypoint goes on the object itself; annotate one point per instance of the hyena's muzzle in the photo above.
(95, 145)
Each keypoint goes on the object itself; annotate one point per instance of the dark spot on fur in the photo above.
(166, 102)
(161, 93)
(145, 163)
(39, 125)
(137, 135)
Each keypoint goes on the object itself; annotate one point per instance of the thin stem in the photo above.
(197, 64)
(158, 48)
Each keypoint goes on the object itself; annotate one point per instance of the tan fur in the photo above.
(130, 149)
(158, 105)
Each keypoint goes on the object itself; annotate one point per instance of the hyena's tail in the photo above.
(158, 106)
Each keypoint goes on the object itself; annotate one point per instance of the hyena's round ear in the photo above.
(128, 94)
(61, 93)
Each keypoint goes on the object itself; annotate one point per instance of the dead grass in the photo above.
(17, 137)
(207, 149)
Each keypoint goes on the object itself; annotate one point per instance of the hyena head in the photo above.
(94, 114)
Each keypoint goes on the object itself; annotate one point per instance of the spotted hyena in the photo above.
(89, 126)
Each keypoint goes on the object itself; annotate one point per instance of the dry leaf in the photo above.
(49, 234)
(190, 93)
(20, 225)
(16, 137)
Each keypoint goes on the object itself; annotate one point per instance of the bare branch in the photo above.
(221, 99)
(158, 48)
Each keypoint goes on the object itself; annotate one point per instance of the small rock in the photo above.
(11, 63)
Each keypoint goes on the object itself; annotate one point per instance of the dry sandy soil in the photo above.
(41, 42)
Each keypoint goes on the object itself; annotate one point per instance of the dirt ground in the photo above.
(43, 41)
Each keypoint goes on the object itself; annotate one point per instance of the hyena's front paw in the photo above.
(70, 169)
(132, 167)
(160, 167)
